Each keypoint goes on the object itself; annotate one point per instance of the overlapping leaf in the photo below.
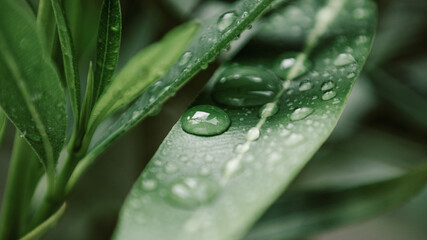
(206, 45)
(30, 91)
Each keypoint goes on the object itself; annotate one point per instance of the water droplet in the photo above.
(294, 139)
(253, 134)
(185, 58)
(115, 28)
(149, 184)
(351, 75)
(268, 110)
(205, 120)
(301, 113)
(170, 168)
(286, 64)
(344, 59)
(192, 192)
(327, 85)
(231, 167)
(304, 86)
(329, 95)
(241, 86)
(226, 20)
(242, 148)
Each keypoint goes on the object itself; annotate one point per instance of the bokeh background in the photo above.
(382, 133)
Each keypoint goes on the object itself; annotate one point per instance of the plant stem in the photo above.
(13, 203)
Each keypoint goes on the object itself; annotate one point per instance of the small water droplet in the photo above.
(304, 86)
(185, 58)
(192, 192)
(231, 167)
(327, 85)
(286, 64)
(205, 120)
(294, 139)
(328, 95)
(268, 110)
(344, 59)
(115, 28)
(149, 184)
(351, 75)
(253, 134)
(242, 148)
(170, 168)
(226, 20)
(301, 113)
(241, 86)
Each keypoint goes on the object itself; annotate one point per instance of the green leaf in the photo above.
(216, 187)
(405, 99)
(107, 53)
(30, 91)
(70, 63)
(141, 72)
(3, 121)
(206, 45)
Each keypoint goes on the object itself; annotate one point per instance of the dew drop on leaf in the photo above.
(149, 184)
(287, 62)
(304, 86)
(253, 134)
(327, 85)
(328, 95)
(294, 139)
(205, 120)
(268, 110)
(241, 86)
(344, 59)
(301, 113)
(226, 20)
(192, 192)
(185, 58)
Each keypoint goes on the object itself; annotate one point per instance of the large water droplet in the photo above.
(241, 86)
(344, 59)
(328, 95)
(205, 120)
(268, 110)
(287, 62)
(327, 85)
(185, 58)
(301, 113)
(192, 192)
(226, 20)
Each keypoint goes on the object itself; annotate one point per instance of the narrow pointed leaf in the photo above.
(208, 43)
(142, 71)
(216, 187)
(30, 91)
(70, 63)
(108, 46)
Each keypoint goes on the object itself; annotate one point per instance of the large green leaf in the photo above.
(70, 63)
(30, 91)
(216, 187)
(109, 36)
(206, 45)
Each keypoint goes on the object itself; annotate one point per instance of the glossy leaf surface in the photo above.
(216, 187)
